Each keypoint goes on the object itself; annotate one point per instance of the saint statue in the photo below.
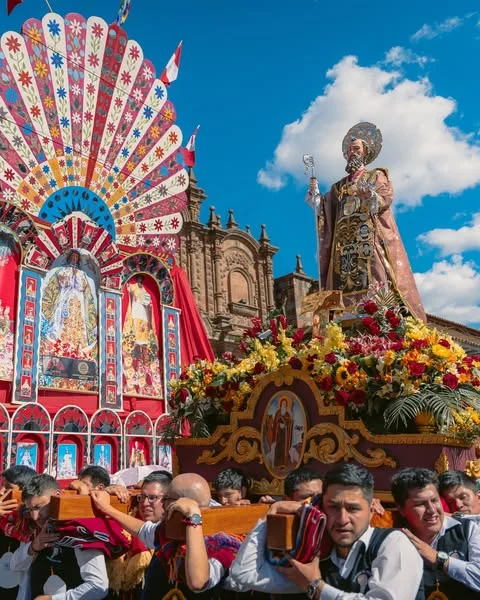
(69, 307)
(26, 460)
(137, 456)
(282, 434)
(103, 460)
(65, 468)
(359, 241)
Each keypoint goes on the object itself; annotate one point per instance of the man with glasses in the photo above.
(79, 573)
(197, 568)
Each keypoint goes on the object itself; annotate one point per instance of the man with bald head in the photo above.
(197, 568)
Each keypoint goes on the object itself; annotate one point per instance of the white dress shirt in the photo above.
(93, 572)
(463, 571)
(397, 569)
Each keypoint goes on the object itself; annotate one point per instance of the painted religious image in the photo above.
(140, 340)
(283, 433)
(27, 454)
(66, 461)
(68, 328)
(137, 456)
(9, 258)
(165, 457)
(102, 456)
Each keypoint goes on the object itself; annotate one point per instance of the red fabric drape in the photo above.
(194, 340)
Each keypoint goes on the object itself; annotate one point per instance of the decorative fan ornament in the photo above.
(80, 108)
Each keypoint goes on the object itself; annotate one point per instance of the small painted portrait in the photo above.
(26, 386)
(67, 461)
(102, 456)
(28, 335)
(27, 454)
(31, 286)
(30, 310)
(111, 395)
(283, 433)
(27, 361)
(165, 457)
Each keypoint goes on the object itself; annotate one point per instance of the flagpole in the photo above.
(49, 6)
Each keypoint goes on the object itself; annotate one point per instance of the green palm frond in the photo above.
(441, 401)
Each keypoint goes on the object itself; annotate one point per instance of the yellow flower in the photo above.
(440, 351)
(389, 358)
(342, 376)
(40, 68)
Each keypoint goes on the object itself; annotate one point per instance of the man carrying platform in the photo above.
(199, 567)
(56, 573)
(450, 549)
(365, 562)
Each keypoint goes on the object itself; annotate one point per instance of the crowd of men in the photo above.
(434, 550)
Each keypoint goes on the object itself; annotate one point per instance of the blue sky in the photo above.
(251, 68)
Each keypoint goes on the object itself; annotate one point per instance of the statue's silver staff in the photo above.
(314, 199)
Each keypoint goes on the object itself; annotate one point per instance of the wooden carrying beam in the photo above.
(236, 520)
(69, 506)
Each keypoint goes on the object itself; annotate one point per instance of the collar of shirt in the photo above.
(345, 565)
(448, 523)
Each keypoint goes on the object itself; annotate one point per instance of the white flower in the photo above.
(128, 117)
(75, 27)
(147, 73)
(76, 118)
(171, 244)
(138, 95)
(76, 91)
(119, 138)
(8, 195)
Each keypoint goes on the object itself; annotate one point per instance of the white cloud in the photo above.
(454, 241)
(429, 32)
(398, 55)
(451, 289)
(425, 156)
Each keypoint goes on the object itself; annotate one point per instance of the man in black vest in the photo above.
(81, 573)
(450, 549)
(364, 560)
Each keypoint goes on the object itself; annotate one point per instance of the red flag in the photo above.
(170, 73)
(188, 152)
(11, 4)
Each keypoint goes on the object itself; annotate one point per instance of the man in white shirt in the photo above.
(365, 562)
(80, 574)
(449, 548)
(202, 568)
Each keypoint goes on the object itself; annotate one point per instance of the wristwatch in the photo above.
(193, 520)
(312, 588)
(442, 558)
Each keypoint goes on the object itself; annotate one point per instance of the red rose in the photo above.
(312, 357)
(476, 382)
(182, 395)
(298, 337)
(444, 343)
(211, 391)
(450, 380)
(330, 358)
(295, 362)
(358, 397)
(258, 368)
(416, 368)
(370, 307)
(462, 370)
(352, 368)
(371, 324)
(325, 383)
(283, 321)
(183, 375)
(419, 344)
(397, 346)
(392, 336)
(356, 348)
(341, 397)
(394, 322)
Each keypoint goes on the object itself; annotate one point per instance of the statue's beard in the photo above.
(355, 162)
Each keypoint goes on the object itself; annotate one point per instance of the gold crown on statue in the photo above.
(370, 135)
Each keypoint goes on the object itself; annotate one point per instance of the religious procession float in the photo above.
(93, 308)
(96, 318)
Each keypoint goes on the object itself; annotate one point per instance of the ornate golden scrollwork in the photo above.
(242, 446)
(441, 464)
(264, 487)
(340, 446)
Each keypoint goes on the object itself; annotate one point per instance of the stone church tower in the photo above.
(230, 272)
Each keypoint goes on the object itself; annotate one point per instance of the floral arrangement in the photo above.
(388, 368)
